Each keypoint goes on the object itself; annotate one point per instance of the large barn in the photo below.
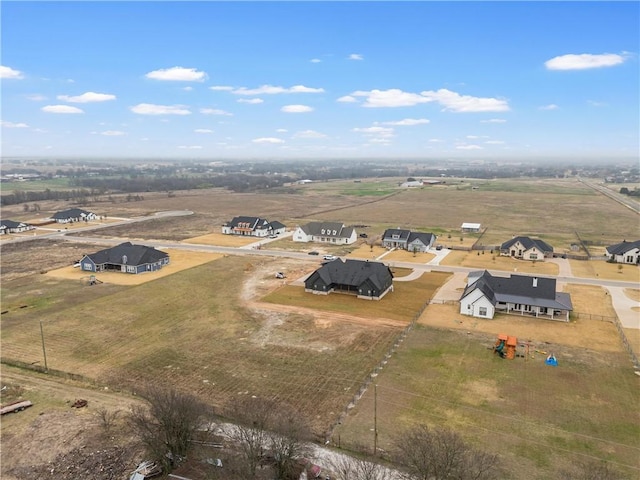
(368, 280)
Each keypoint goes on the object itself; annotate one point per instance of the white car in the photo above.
(330, 257)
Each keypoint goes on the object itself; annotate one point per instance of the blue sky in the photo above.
(320, 79)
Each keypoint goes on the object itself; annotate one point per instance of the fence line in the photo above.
(374, 373)
(626, 343)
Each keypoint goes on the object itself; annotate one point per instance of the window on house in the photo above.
(395, 236)
(482, 311)
(533, 256)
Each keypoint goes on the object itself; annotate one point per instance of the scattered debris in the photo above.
(79, 403)
(146, 469)
(15, 407)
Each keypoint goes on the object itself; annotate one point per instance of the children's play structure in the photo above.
(506, 346)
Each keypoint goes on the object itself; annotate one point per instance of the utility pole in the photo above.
(44, 351)
(375, 419)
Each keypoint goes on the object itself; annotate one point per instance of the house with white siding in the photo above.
(625, 252)
(407, 240)
(526, 248)
(486, 294)
(252, 227)
(334, 233)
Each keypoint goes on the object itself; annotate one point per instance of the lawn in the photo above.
(401, 304)
(606, 270)
(488, 261)
(194, 330)
(537, 418)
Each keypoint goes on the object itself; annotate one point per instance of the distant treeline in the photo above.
(92, 189)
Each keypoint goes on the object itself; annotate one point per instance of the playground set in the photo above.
(505, 347)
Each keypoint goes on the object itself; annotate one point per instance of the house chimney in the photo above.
(535, 282)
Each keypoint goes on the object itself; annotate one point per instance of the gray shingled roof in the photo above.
(622, 248)
(520, 289)
(401, 234)
(11, 224)
(327, 229)
(71, 213)
(425, 238)
(355, 272)
(528, 243)
(135, 255)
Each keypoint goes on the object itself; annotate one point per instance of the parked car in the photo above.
(438, 247)
(314, 253)
(280, 275)
(364, 235)
(329, 257)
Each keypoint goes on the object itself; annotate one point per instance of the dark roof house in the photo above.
(526, 248)
(485, 294)
(73, 215)
(625, 252)
(407, 240)
(369, 280)
(126, 258)
(252, 226)
(10, 226)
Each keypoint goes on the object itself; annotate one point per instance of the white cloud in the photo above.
(151, 109)
(347, 99)
(474, 137)
(215, 111)
(315, 60)
(595, 103)
(221, 88)
(356, 56)
(203, 130)
(112, 133)
(407, 122)
(14, 125)
(584, 61)
(271, 140)
(282, 130)
(187, 89)
(380, 132)
(494, 120)
(435, 140)
(551, 106)
(36, 97)
(87, 97)
(177, 74)
(190, 147)
(495, 142)
(390, 98)
(309, 134)
(8, 72)
(61, 109)
(296, 109)
(251, 101)
(454, 102)
(272, 90)
(469, 147)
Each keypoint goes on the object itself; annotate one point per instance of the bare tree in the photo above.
(436, 454)
(253, 417)
(358, 468)
(288, 441)
(168, 424)
(107, 418)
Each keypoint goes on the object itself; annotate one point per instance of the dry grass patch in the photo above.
(401, 304)
(602, 269)
(404, 256)
(494, 261)
(180, 260)
(222, 240)
(366, 252)
(632, 293)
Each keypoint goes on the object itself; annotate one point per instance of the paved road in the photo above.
(624, 306)
(625, 200)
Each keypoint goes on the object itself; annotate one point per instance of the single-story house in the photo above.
(73, 215)
(365, 279)
(9, 226)
(412, 184)
(486, 295)
(325, 232)
(470, 227)
(126, 258)
(625, 252)
(252, 227)
(407, 240)
(526, 248)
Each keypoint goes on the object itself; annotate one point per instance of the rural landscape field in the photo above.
(222, 327)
